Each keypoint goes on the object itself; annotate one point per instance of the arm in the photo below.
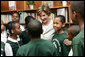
(8, 50)
(77, 50)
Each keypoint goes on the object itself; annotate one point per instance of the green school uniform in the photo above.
(2, 49)
(25, 37)
(37, 48)
(14, 45)
(78, 44)
(62, 49)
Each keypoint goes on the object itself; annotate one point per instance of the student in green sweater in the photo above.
(37, 46)
(24, 36)
(72, 32)
(60, 36)
(2, 48)
(77, 16)
(13, 41)
(2, 42)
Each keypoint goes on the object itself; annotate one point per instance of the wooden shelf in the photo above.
(18, 10)
(69, 23)
(5, 11)
(59, 7)
(22, 6)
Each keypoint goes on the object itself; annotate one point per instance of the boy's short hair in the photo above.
(28, 19)
(62, 18)
(16, 13)
(45, 8)
(78, 6)
(34, 28)
(74, 30)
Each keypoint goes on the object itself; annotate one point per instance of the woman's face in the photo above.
(44, 17)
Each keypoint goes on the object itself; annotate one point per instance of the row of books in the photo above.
(23, 15)
(59, 11)
(7, 18)
(50, 3)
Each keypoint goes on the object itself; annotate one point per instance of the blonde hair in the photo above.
(44, 8)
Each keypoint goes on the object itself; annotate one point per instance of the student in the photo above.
(72, 32)
(60, 36)
(3, 33)
(13, 42)
(77, 16)
(37, 46)
(16, 17)
(2, 48)
(3, 40)
(24, 36)
(47, 23)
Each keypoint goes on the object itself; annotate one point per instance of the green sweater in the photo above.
(37, 48)
(58, 41)
(2, 49)
(78, 44)
(15, 46)
(25, 37)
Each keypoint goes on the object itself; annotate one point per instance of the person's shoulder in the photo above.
(55, 35)
(48, 42)
(23, 32)
(77, 39)
(21, 48)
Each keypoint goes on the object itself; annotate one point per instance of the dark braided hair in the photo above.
(10, 26)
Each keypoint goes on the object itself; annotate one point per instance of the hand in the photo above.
(67, 42)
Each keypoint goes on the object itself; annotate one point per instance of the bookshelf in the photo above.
(23, 7)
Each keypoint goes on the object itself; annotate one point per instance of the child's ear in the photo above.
(74, 14)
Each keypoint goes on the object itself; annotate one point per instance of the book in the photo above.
(6, 18)
(12, 5)
(64, 12)
(50, 3)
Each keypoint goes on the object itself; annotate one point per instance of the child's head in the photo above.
(14, 28)
(15, 16)
(2, 26)
(59, 22)
(72, 31)
(34, 29)
(77, 11)
(28, 19)
(44, 13)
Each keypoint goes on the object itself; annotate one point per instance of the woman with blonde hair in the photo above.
(47, 23)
